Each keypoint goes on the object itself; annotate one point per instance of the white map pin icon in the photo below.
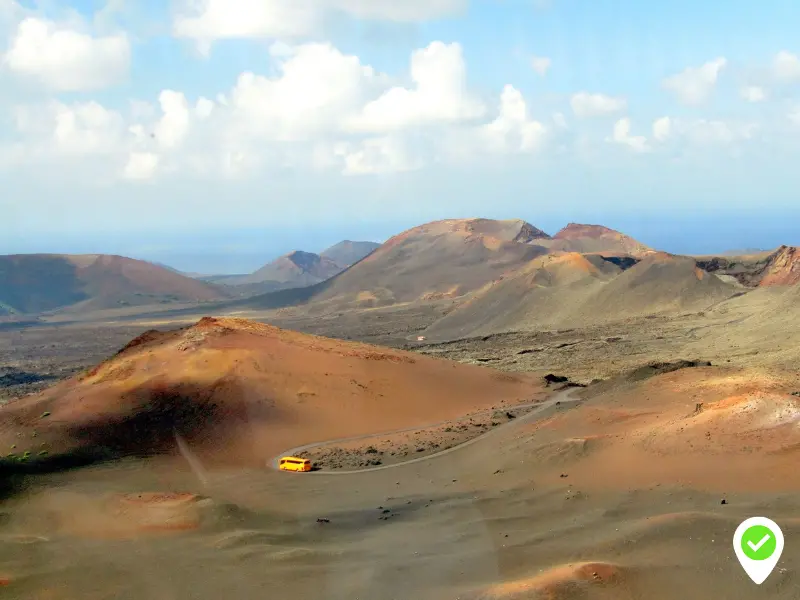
(758, 543)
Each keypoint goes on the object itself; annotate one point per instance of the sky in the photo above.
(214, 135)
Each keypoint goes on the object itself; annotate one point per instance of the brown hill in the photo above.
(712, 427)
(443, 259)
(576, 237)
(780, 267)
(575, 290)
(547, 290)
(783, 268)
(296, 269)
(32, 283)
(237, 391)
(660, 284)
(450, 259)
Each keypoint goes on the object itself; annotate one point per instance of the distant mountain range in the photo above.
(491, 275)
(40, 283)
(296, 269)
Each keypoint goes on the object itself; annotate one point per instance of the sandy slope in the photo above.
(33, 283)
(605, 501)
(448, 259)
(239, 391)
(573, 290)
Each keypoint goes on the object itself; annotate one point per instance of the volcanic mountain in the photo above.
(443, 259)
(780, 267)
(596, 238)
(238, 391)
(297, 269)
(565, 290)
(450, 259)
(32, 283)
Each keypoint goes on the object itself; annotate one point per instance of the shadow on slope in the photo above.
(574, 290)
(237, 392)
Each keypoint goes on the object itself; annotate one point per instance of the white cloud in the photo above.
(407, 11)
(209, 20)
(439, 95)
(204, 108)
(541, 64)
(586, 105)
(173, 126)
(318, 88)
(694, 85)
(141, 165)
(753, 93)
(377, 155)
(513, 130)
(79, 129)
(794, 115)
(315, 108)
(662, 128)
(621, 134)
(65, 59)
(786, 67)
(703, 131)
(212, 20)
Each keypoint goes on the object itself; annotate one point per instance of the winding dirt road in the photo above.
(561, 397)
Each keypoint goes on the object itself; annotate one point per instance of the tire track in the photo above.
(562, 397)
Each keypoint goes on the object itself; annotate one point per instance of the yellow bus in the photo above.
(292, 463)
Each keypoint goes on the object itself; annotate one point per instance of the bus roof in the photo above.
(294, 458)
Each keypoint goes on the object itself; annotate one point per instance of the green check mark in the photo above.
(758, 542)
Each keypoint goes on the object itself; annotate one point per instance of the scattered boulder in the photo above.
(550, 379)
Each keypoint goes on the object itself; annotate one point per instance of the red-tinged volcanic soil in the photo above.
(600, 580)
(576, 237)
(633, 492)
(446, 258)
(783, 268)
(238, 392)
(575, 290)
(296, 269)
(702, 427)
(31, 283)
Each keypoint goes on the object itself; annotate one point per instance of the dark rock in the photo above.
(550, 378)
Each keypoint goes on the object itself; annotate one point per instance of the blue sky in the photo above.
(133, 128)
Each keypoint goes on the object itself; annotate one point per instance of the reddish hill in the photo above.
(783, 268)
(576, 237)
(573, 290)
(31, 283)
(240, 392)
(443, 259)
(296, 268)
(780, 267)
